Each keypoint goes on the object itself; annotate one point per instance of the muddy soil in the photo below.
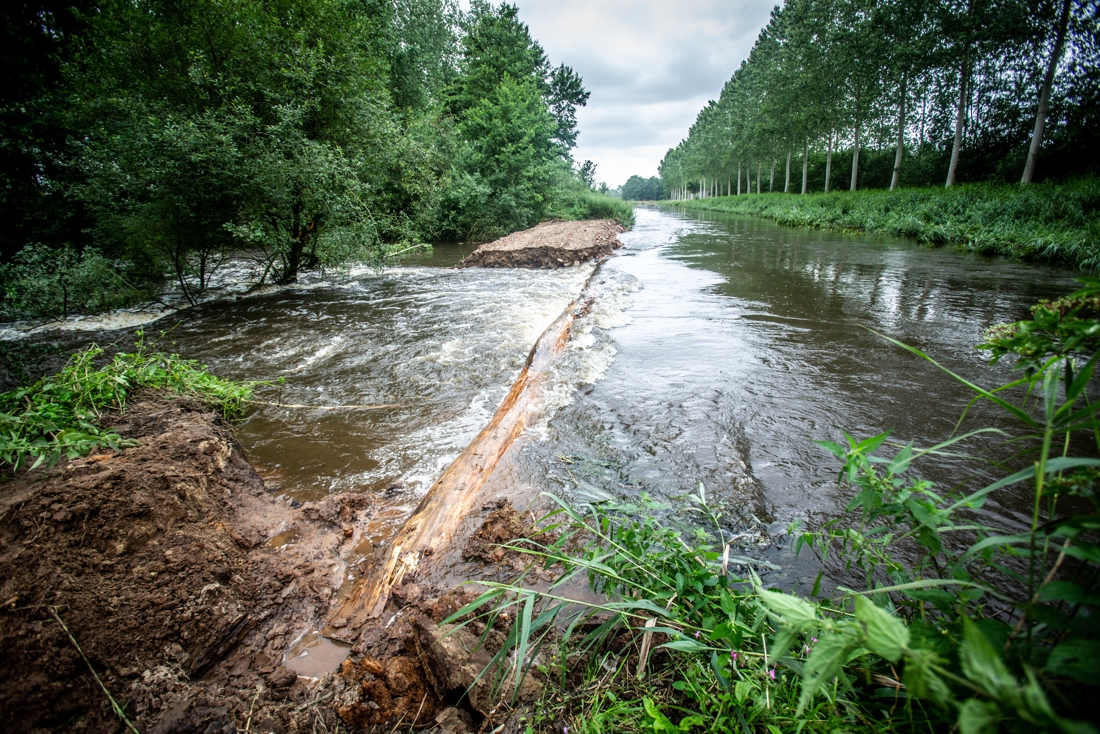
(548, 246)
(185, 583)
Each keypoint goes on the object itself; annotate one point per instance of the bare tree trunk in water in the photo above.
(828, 161)
(855, 160)
(805, 163)
(759, 168)
(1044, 95)
(787, 182)
(771, 178)
(964, 81)
(901, 140)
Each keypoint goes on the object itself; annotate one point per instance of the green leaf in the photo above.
(887, 636)
(685, 646)
(977, 717)
(1068, 591)
(826, 662)
(982, 664)
(923, 681)
(1077, 658)
(833, 448)
(790, 609)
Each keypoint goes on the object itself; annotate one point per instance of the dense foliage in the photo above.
(637, 188)
(60, 415)
(1053, 222)
(941, 618)
(881, 93)
(146, 138)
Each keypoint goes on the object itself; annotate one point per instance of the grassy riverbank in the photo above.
(942, 619)
(60, 415)
(1045, 222)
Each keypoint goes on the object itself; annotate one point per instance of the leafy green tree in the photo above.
(516, 119)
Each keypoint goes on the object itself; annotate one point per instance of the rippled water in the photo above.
(743, 341)
(718, 348)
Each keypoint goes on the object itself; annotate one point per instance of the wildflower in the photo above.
(806, 649)
(733, 655)
(771, 673)
(565, 730)
(697, 635)
(813, 639)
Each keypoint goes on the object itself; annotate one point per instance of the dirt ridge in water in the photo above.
(549, 245)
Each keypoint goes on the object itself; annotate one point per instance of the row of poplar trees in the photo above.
(877, 93)
(144, 137)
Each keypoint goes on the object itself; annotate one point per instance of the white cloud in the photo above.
(650, 65)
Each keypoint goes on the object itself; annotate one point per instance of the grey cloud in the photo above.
(650, 65)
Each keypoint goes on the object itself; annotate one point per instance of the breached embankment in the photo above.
(185, 583)
(549, 245)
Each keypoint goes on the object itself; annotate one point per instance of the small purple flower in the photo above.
(813, 639)
(565, 730)
(733, 656)
(697, 635)
(806, 649)
(771, 673)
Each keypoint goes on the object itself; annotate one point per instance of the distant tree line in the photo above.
(637, 188)
(882, 93)
(144, 139)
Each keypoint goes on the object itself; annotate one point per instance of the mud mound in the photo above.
(548, 246)
(153, 559)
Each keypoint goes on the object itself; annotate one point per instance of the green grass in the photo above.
(1057, 223)
(60, 415)
(575, 205)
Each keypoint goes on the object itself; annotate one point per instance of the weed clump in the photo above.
(60, 415)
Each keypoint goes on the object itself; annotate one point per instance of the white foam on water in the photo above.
(590, 351)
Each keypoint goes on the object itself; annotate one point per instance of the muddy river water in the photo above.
(719, 347)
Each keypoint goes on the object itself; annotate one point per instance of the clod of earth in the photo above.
(549, 246)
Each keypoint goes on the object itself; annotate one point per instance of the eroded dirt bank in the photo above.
(170, 566)
(549, 245)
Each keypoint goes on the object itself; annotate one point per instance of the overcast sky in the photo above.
(650, 65)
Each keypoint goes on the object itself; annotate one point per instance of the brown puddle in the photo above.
(315, 655)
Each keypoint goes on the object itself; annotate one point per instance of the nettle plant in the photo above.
(1000, 629)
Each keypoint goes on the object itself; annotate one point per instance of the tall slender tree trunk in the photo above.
(787, 181)
(960, 117)
(1044, 95)
(759, 168)
(738, 178)
(828, 161)
(805, 164)
(901, 140)
(920, 135)
(855, 160)
(771, 178)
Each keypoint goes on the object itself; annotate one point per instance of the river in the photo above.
(719, 348)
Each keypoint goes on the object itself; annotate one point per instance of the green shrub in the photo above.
(55, 283)
(585, 204)
(60, 415)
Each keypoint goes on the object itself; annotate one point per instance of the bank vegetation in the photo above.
(153, 143)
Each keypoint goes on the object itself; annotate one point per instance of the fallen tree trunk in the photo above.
(432, 527)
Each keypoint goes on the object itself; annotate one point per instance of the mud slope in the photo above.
(155, 561)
